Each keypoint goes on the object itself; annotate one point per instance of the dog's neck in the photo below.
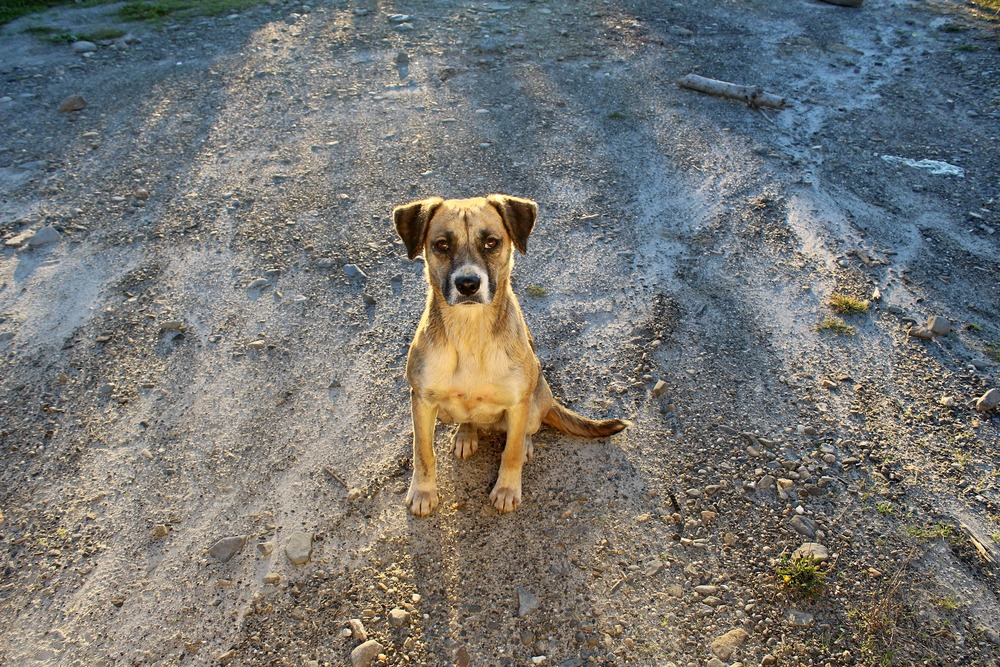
(472, 326)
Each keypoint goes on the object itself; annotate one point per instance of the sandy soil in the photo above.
(189, 359)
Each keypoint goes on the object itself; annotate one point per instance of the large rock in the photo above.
(726, 645)
(44, 236)
(364, 655)
(227, 547)
(988, 401)
(299, 547)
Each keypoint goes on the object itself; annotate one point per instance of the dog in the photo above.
(472, 361)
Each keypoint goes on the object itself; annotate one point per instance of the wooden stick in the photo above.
(754, 97)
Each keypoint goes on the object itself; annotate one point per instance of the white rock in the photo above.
(299, 547)
(44, 236)
(363, 655)
(83, 46)
(813, 549)
(527, 602)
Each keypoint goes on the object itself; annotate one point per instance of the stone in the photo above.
(171, 325)
(988, 401)
(159, 531)
(766, 482)
(527, 602)
(227, 547)
(803, 525)
(939, 326)
(20, 239)
(358, 630)
(399, 618)
(83, 46)
(799, 618)
(44, 236)
(725, 646)
(715, 662)
(706, 590)
(272, 578)
(659, 387)
(73, 103)
(813, 550)
(265, 548)
(258, 283)
(299, 547)
(708, 517)
(364, 655)
(917, 331)
(462, 657)
(354, 272)
(730, 539)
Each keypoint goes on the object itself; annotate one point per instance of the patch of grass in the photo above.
(989, 4)
(949, 602)
(536, 291)
(155, 10)
(617, 115)
(884, 507)
(995, 536)
(967, 48)
(15, 9)
(846, 305)
(802, 576)
(837, 326)
(933, 531)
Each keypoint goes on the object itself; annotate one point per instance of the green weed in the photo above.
(803, 576)
(846, 305)
(837, 326)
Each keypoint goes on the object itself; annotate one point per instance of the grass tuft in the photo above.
(837, 326)
(536, 291)
(932, 531)
(846, 305)
(802, 576)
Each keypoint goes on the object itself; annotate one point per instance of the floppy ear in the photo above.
(518, 217)
(411, 221)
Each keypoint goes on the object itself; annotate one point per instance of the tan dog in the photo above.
(472, 360)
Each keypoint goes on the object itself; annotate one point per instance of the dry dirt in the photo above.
(190, 360)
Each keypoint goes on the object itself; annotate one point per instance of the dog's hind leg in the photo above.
(465, 440)
(529, 448)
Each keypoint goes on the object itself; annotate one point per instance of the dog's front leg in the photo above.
(506, 494)
(422, 497)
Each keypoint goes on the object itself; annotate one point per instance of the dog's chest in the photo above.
(475, 388)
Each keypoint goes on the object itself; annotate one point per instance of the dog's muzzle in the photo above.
(468, 284)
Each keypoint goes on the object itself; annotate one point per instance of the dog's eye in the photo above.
(491, 243)
(441, 245)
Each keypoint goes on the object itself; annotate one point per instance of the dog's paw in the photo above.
(529, 448)
(421, 501)
(466, 441)
(506, 498)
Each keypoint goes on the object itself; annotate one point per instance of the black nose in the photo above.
(467, 285)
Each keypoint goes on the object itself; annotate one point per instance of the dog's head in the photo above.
(468, 244)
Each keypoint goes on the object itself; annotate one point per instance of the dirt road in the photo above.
(202, 357)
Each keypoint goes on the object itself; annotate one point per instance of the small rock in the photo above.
(73, 103)
(527, 602)
(939, 326)
(258, 283)
(358, 630)
(706, 590)
(811, 549)
(83, 46)
(462, 657)
(726, 645)
(271, 578)
(920, 332)
(364, 655)
(803, 525)
(171, 325)
(265, 548)
(766, 482)
(43, 237)
(730, 539)
(708, 517)
(227, 547)
(140, 193)
(399, 618)
(355, 273)
(299, 547)
(799, 618)
(326, 263)
(399, 18)
(659, 387)
(159, 531)
(988, 401)
(715, 662)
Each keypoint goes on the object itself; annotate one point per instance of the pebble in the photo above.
(988, 401)
(659, 387)
(726, 645)
(811, 549)
(939, 326)
(272, 578)
(399, 18)
(83, 46)
(920, 332)
(227, 547)
(364, 655)
(706, 590)
(299, 547)
(358, 630)
(799, 618)
(947, 401)
(73, 103)
(258, 283)
(399, 618)
(265, 548)
(171, 325)
(354, 272)
(730, 539)
(44, 236)
(708, 517)
(803, 525)
(715, 662)
(159, 531)
(766, 482)
(527, 602)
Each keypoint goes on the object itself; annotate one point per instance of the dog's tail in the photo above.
(567, 421)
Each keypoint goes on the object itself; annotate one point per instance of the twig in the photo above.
(753, 96)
